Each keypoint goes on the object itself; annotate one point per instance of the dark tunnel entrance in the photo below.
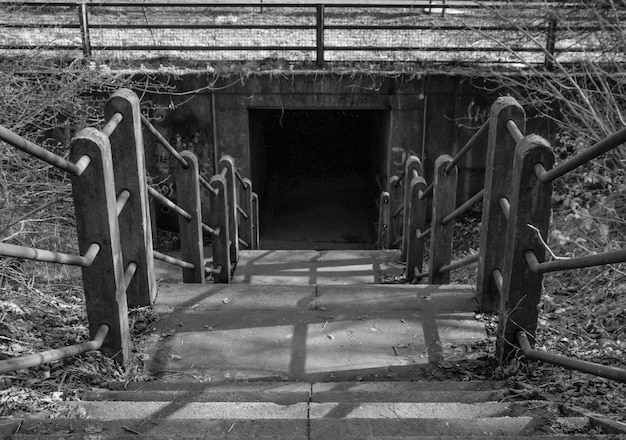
(316, 172)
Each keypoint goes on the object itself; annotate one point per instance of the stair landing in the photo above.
(311, 267)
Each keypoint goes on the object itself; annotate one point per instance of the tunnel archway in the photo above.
(316, 172)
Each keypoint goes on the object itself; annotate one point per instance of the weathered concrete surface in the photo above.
(225, 332)
(316, 267)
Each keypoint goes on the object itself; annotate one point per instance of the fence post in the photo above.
(246, 229)
(396, 199)
(383, 221)
(228, 163)
(416, 213)
(550, 42)
(256, 233)
(96, 222)
(129, 167)
(412, 164)
(500, 153)
(444, 202)
(83, 15)
(190, 231)
(319, 22)
(219, 221)
(530, 205)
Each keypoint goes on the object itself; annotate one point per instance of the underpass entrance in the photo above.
(316, 172)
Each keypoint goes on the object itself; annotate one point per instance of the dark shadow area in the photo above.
(315, 171)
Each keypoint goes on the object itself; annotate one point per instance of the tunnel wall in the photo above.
(428, 114)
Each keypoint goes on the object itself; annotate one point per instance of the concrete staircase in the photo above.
(311, 350)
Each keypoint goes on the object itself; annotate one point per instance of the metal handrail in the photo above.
(30, 253)
(34, 360)
(167, 202)
(121, 201)
(34, 150)
(174, 261)
(583, 157)
(159, 137)
(514, 130)
(458, 212)
(468, 146)
(466, 261)
(112, 124)
(613, 373)
(618, 256)
(427, 191)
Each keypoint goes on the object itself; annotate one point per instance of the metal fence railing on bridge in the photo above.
(270, 33)
(112, 211)
(516, 209)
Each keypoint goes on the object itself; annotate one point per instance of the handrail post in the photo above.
(96, 222)
(412, 164)
(219, 220)
(231, 195)
(396, 199)
(256, 233)
(190, 231)
(530, 206)
(416, 214)
(444, 202)
(246, 229)
(500, 153)
(83, 14)
(319, 30)
(383, 221)
(129, 165)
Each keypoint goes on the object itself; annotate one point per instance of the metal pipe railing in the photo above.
(618, 256)
(458, 212)
(608, 372)
(468, 146)
(428, 191)
(29, 253)
(159, 137)
(207, 185)
(210, 230)
(583, 157)
(514, 130)
(122, 199)
(174, 261)
(460, 263)
(167, 202)
(422, 234)
(112, 124)
(34, 360)
(505, 206)
(34, 150)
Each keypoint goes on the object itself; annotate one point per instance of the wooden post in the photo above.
(83, 18)
(444, 202)
(396, 199)
(129, 166)
(246, 229)
(190, 231)
(417, 216)
(255, 221)
(319, 33)
(219, 221)
(96, 222)
(383, 221)
(412, 164)
(500, 153)
(531, 202)
(231, 195)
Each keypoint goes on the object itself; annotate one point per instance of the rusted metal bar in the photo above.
(213, 270)
(112, 124)
(167, 202)
(210, 230)
(34, 150)
(129, 272)
(505, 206)
(159, 137)
(422, 234)
(207, 185)
(428, 191)
(608, 372)
(458, 212)
(122, 199)
(460, 263)
(241, 180)
(419, 274)
(514, 130)
(585, 156)
(398, 211)
(243, 243)
(498, 279)
(12, 250)
(242, 212)
(34, 360)
(468, 146)
(400, 178)
(174, 261)
(398, 241)
(602, 259)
